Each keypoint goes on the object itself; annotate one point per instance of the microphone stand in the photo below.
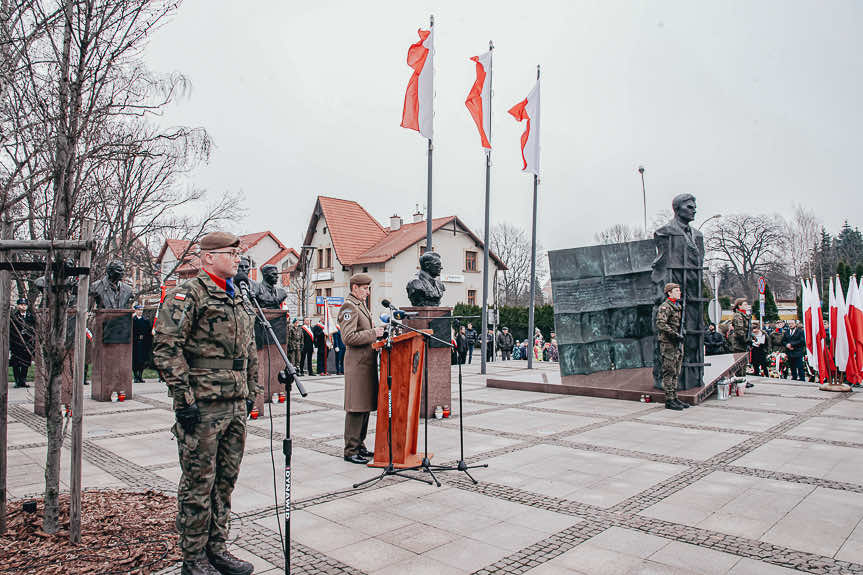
(426, 464)
(286, 376)
(390, 468)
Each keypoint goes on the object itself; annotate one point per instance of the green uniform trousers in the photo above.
(671, 356)
(210, 459)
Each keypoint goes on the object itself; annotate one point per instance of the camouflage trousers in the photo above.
(671, 356)
(210, 461)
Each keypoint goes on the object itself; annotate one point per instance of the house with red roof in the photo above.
(178, 260)
(345, 239)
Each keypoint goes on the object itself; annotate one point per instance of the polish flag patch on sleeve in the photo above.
(180, 296)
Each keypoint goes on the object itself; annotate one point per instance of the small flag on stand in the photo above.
(419, 97)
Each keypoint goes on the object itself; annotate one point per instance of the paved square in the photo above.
(769, 483)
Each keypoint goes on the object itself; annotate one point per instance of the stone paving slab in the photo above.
(769, 483)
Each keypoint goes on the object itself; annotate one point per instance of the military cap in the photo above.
(217, 240)
(669, 286)
(21, 300)
(504, 328)
(360, 280)
(138, 306)
(739, 301)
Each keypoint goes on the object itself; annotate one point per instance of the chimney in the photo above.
(395, 222)
(418, 216)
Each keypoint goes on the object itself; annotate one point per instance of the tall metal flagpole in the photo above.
(484, 328)
(530, 317)
(429, 179)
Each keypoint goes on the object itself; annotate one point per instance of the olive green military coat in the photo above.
(361, 366)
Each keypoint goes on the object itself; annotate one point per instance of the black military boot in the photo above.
(682, 404)
(198, 566)
(227, 564)
(673, 404)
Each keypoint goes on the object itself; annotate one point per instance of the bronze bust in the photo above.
(111, 292)
(427, 290)
(268, 293)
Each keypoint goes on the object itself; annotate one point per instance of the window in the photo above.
(320, 259)
(471, 297)
(365, 269)
(422, 250)
(469, 261)
(329, 292)
(329, 258)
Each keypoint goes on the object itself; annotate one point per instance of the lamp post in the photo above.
(644, 197)
(306, 253)
(713, 217)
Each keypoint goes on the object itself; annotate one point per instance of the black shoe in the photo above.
(366, 453)
(748, 385)
(682, 404)
(199, 566)
(21, 385)
(670, 404)
(227, 564)
(357, 458)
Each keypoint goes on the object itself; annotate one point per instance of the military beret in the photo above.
(739, 301)
(669, 286)
(22, 300)
(360, 280)
(217, 240)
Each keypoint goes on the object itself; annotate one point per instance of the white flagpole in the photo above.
(530, 320)
(429, 178)
(484, 328)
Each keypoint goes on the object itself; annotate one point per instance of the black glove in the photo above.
(250, 405)
(188, 417)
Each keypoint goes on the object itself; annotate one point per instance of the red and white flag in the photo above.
(528, 109)
(818, 333)
(806, 306)
(479, 98)
(840, 348)
(834, 319)
(418, 110)
(855, 323)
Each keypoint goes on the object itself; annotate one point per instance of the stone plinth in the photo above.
(40, 375)
(111, 353)
(270, 361)
(438, 319)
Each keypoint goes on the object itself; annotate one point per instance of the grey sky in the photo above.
(750, 105)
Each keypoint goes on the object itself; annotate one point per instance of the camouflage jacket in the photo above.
(204, 347)
(668, 322)
(295, 338)
(740, 337)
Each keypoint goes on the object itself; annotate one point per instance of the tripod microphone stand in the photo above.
(390, 469)
(286, 376)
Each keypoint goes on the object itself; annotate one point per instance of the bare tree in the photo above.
(512, 246)
(619, 233)
(803, 232)
(750, 245)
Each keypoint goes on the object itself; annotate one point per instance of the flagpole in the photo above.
(429, 177)
(530, 317)
(484, 328)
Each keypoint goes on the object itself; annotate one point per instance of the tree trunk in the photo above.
(55, 293)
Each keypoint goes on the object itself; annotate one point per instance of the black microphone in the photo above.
(397, 313)
(242, 281)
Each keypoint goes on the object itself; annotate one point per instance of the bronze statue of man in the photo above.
(679, 260)
(268, 293)
(427, 290)
(111, 292)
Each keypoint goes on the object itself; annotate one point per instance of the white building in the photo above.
(346, 240)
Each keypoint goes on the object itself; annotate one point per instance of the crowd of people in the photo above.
(502, 345)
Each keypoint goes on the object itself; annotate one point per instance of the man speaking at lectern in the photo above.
(361, 367)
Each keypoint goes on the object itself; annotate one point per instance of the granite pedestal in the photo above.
(438, 319)
(111, 353)
(270, 361)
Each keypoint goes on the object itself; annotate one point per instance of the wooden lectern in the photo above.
(408, 355)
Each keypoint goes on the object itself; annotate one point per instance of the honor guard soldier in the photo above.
(204, 349)
(668, 318)
(361, 367)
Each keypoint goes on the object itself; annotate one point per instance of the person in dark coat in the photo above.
(339, 349)
(471, 341)
(22, 334)
(758, 352)
(489, 345)
(714, 342)
(795, 344)
(308, 347)
(505, 343)
(321, 344)
(461, 344)
(142, 344)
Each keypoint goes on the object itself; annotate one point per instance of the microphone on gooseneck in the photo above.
(242, 281)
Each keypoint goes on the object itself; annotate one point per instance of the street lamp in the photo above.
(306, 261)
(713, 217)
(644, 197)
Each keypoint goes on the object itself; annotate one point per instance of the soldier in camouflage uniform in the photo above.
(204, 349)
(668, 318)
(741, 337)
(295, 340)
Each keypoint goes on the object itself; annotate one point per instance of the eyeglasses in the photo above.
(232, 253)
